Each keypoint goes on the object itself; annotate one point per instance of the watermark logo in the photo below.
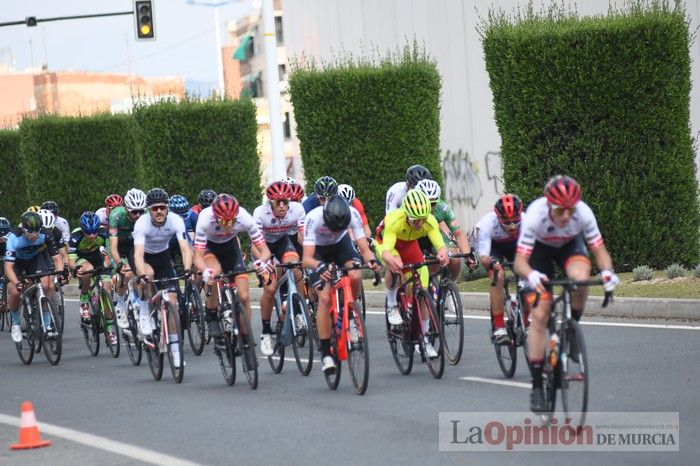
(617, 431)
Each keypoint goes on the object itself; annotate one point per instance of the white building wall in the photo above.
(470, 142)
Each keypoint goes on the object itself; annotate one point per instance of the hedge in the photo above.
(364, 121)
(12, 192)
(78, 161)
(606, 100)
(190, 146)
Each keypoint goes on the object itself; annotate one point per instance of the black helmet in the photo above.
(416, 173)
(156, 196)
(5, 226)
(325, 186)
(31, 221)
(206, 197)
(336, 213)
(51, 206)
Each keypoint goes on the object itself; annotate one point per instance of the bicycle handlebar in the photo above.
(568, 283)
(40, 275)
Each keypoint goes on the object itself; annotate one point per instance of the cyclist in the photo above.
(181, 206)
(444, 215)
(48, 221)
(216, 250)
(498, 233)
(61, 222)
(111, 201)
(347, 192)
(121, 226)
(553, 232)
(5, 228)
(398, 190)
(326, 241)
(206, 197)
(397, 244)
(152, 259)
(296, 190)
(87, 251)
(324, 187)
(27, 251)
(278, 219)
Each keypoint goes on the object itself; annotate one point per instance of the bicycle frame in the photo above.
(292, 289)
(343, 284)
(415, 284)
(164, 296)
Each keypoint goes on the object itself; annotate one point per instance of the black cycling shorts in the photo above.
(503, 251)
(38, 264)
(228, 254)
(544, 257)
(338, 253)
(282, 247)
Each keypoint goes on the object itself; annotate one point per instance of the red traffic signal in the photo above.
(143, 11)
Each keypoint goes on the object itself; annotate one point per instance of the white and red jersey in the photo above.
(209, 230)
(157, 238)
(539, 226)
(490, 229)
(274, 228)
(395, 195)
(318, 234)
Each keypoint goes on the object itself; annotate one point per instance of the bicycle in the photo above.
(349, 340)
(566, 361)
(132, 342)
(291, 325)
(514, 323)
(61, 302)
(4, 312)
(43, 334)
(100, 303)
(405, 337)
(192, 315)
(236, 338)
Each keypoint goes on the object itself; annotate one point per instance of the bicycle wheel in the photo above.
(358, 351)
(333, 379)
(506, 353)
(224, 350)
(53, 345)
(400, 341)
(276, 360)
(25, 348)
(362, 301)
(107, 306)
(196, 325)
(91, 329)
(574, 372)
(436, 365)
(61, 308)
(154, 356)
(550, 383)
(302, 345)
(452, 320)
(311, 310)
(246, 347)
(175, 350)
(3, 320)
(130, 335)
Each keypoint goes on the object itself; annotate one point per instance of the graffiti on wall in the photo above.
(462, 181)
(494, 170)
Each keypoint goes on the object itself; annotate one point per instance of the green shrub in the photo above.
(675, 270)
(696, 271)
(642, 272)
(364, 121)
(13, 200)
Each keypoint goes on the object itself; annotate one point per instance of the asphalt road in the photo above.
(291, 419)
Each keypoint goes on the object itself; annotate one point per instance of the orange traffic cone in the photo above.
(29, 436)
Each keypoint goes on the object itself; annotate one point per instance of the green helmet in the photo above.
(31, 221)
(416, 204)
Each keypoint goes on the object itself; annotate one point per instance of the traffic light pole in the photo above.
(31, 21)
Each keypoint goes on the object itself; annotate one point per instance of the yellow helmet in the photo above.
(33, 208)
(416, 204)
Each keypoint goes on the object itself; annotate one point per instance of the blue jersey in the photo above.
(19, 247)
(189, 226)
(310, 203)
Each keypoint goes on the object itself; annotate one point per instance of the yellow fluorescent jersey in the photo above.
(396, 227)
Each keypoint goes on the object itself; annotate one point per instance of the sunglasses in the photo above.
(510, 225)
(158, 208)
(136, 212)
(415, 220)
(225, 223)
(279, 202)
(30, 231)
(559, 210)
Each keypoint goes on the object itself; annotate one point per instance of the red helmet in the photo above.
(225, 207)
(114, 200)
(296, 192)
(563, 191)
(278, 190)
(508, 208)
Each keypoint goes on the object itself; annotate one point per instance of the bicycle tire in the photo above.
(61, 302)
(25, 348)
(361, 299)
(358, 352)
(451, 316)
(333, 378)
(276, 359)
(173, 316)
(227, 360)
(196, 327)
(3, 320)
(131, 341)
(36, 327)
(574, 374)
(302, 346)
(106, 303)
(154, 356)
(436, 365)
(91, 330)
(506, 353)
(53, 347)
(246, 347)
(400, 341)
(312, 310)
(550, 384)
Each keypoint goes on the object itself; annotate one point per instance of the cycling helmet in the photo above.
(156, 196)
(415, 173)
(135, 199)
(206, 197)
(336, 213)
(179, 204)
(289, 180)
(31, 221)
(346, 192)
(508, 208)
(33, 208)
(51, 206)
(5, 226)
(431, 188)
(296, 192)
(48, 219)
(416, 204)
(563, 191)
(113, 200)
(278, 190)
(89, 223)
(325, 186)
(225, 208)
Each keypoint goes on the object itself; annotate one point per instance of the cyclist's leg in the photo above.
(21, 267)
(344, 254)
(391, 284)
(577, 265)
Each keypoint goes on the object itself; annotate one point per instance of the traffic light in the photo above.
(143, 11)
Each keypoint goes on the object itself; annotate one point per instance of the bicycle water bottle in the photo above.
(553, 349)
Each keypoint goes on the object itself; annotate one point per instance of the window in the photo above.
(282, 70)
(286, 126)
(278, 30)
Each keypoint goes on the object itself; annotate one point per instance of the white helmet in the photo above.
(431, 188)
(289, 180)
(102, 215)
(346, 192)
(48, 219)
(135, 199)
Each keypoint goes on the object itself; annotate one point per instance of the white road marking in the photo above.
(290, 359)
(102, 443)
(507, 383)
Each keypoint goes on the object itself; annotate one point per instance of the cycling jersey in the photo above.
(395, 195)
(62, 225)
(21, 248)
(395, 227)
(318, 234)
(357, 204)
(539, 227)
(274, 228)
(156, 238)
(57, 237)
(208, 229)
(490, 229)
(193, 214)
(80, 246)
(310, 203)
(120, 225)
(444, 213)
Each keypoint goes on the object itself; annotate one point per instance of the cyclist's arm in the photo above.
(365, 251)
(308, 259)
(602, 257)
(9, 268)
(139, 263)
(199, 258)
(186, 251)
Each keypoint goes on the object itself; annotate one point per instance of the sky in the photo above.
(185, 42)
